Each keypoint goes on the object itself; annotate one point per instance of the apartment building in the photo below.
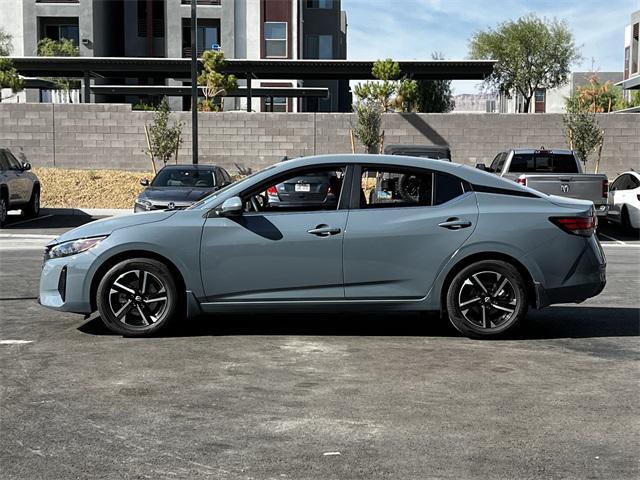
(631, 80)
(244, 29)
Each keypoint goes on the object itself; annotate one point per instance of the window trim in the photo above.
(286, 39)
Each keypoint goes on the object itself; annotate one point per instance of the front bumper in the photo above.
(62, 283)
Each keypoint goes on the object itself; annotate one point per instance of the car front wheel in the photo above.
(138, 297)
(487, 299)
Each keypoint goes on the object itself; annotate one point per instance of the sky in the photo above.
(413, 29)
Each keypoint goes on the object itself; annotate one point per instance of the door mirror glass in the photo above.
(26, 166)
(230, 207)
(481, 166)
(144, 182)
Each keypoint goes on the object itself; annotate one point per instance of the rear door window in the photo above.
(447, 188)
(393, 187)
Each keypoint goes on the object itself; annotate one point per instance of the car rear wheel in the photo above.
(487, 299)
(33, 207)
(625, 219)
(138, 297)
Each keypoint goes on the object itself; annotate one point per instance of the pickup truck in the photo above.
(555, 172)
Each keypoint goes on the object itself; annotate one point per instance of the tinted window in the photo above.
(633, 182)
(447, 188)
(391, 187)
(619, 183)
(4, 165)
(188, 177)
(14, 164)
(543, 162)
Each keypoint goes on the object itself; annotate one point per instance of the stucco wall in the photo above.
(99, 136)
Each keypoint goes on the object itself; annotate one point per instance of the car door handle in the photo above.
(324, 231)
(454, 224)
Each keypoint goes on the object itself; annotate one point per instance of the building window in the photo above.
(635, 42)
(275, 39)
(540, 100)
(319, 46)
(627, 60)
(58, 28)
(157, 17)
(207, 35)
(202, 2)
(279, 104)
(324, 4)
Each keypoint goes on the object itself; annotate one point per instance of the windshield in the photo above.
(188, 177)
(208, 198)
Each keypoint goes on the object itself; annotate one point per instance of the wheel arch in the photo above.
(479, 256)
(126, 255)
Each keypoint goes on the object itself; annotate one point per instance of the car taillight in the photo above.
(522, 180)
(605, 188)
(582, 226)
(272, 191)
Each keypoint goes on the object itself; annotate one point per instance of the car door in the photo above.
(21, 191)
(403, 228)
(277, 253)
(9, 176)
(617, 193)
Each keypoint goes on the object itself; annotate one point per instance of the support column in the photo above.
(194, 83)
(249, 93)
(87, 88)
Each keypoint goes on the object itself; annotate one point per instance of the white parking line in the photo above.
(27, 235)
(15, 342)
(611, 238)
(31, 219)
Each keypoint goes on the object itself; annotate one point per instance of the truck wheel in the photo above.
(487, 299)
(33, 208)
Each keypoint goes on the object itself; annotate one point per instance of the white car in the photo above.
(624, 200)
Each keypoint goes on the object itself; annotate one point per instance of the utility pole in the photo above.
(194, 82)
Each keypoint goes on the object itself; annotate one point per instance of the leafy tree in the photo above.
(583, 132)
(60, 48)
(595, 97)
(9, 77)
(164, 140)
(215, 83)
(391, 91)
(531, 53)
(368, 120)
(435, 96)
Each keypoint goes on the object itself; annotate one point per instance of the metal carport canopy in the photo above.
(258, 69)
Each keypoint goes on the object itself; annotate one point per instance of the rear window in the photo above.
(543, 162)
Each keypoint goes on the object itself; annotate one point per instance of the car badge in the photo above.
(564, 188)
(171, 205)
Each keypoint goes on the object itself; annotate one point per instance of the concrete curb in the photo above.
(91, 212)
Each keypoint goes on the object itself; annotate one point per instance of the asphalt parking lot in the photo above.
(318, 396)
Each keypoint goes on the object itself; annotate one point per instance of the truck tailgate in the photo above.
(582, 186)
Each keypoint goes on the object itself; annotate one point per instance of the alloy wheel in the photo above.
(138, 298)
(487, 299)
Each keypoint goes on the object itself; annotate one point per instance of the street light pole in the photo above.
(194, 82)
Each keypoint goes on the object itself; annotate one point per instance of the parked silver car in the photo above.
(19, 188)
(478, 248)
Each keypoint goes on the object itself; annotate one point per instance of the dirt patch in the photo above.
(89, 188)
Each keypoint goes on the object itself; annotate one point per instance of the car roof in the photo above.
(191, 166)
(534, 150)
(416, 148)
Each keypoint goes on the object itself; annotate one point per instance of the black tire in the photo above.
(625, 220)
(496, 297)
(32, 209)
(123, 297)
(4, 208)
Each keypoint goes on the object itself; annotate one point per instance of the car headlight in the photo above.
(72, 247)
(147, 205)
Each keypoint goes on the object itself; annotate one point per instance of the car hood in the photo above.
(173, 194)
(107, 226)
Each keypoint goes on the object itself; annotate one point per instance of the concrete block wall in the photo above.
(101, 136)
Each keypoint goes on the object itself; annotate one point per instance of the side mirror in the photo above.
(144, 182)
(230, 207)
(26, 166)
(481, 166)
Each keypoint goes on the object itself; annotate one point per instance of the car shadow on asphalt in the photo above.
(550, 323)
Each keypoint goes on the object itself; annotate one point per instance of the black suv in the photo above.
(19, 188)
